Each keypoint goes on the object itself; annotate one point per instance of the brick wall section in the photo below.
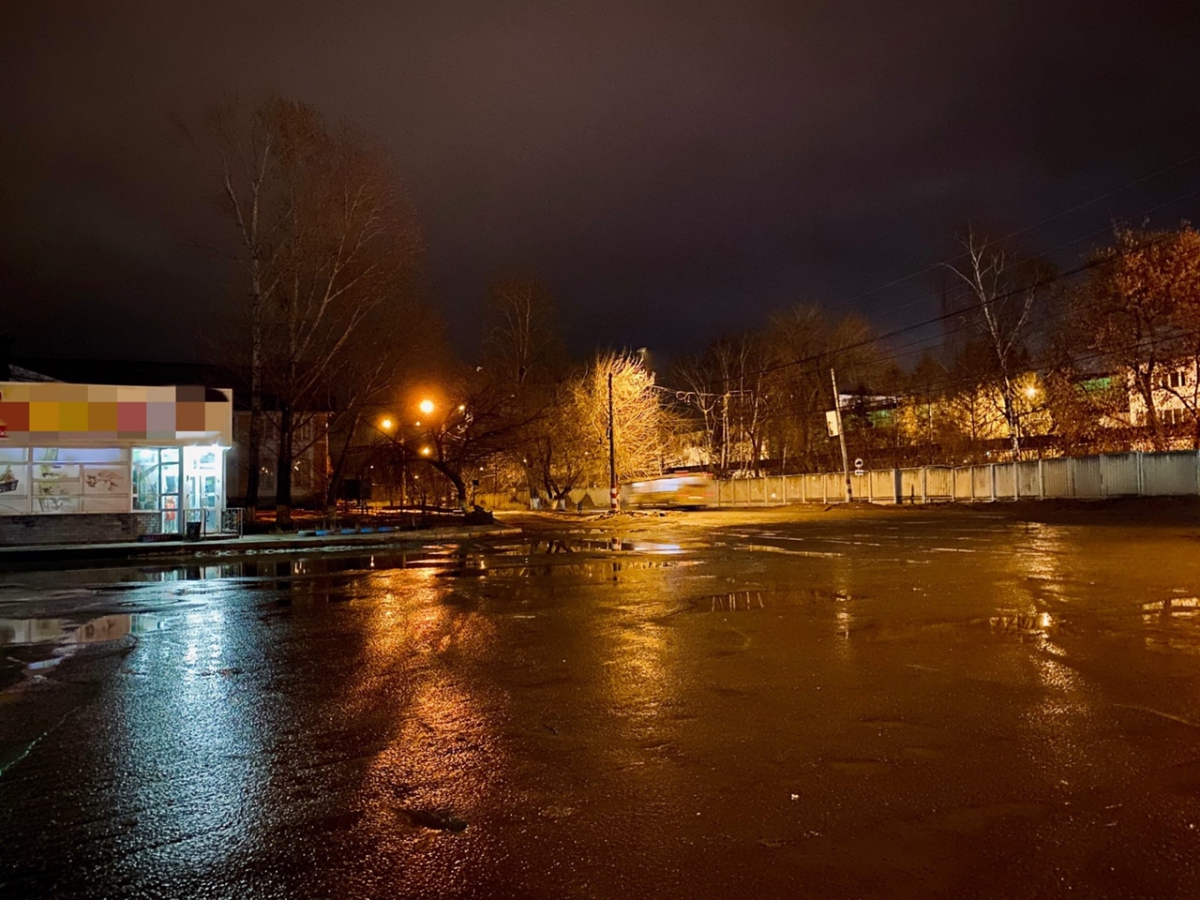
(79, 528)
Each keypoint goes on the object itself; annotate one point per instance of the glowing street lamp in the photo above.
(425, 451)
(386, 424)
(425, 406)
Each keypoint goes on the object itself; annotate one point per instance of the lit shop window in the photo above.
(79, 479)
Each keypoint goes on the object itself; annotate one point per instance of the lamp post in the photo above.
(612, 449)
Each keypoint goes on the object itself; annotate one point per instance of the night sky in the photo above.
(674, 170)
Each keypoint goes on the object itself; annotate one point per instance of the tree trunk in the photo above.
(254, 437)
(460, 487)
(1145, 385)
(283, 476)
(339, 464)
(253, 459)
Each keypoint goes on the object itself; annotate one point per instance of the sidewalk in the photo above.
(249, 545)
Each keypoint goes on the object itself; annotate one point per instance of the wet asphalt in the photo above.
(770, 704)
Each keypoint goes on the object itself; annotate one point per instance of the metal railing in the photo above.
(207, 522)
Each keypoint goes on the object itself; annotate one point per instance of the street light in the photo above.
(386, 424)
(425, 451)
(425, 406)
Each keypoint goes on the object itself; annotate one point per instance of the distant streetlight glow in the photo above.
(386, 424)
(426, 407)
(1031, 392)
(425, 451)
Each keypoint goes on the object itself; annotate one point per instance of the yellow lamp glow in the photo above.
(426, 406)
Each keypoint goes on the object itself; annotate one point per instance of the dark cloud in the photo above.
(674, 170)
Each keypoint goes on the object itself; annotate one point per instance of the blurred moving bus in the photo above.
(692, 489)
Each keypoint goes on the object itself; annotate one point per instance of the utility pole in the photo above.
(837, 405)
(612, 449)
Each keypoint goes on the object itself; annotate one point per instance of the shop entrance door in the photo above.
(204, 494)
(169, 490)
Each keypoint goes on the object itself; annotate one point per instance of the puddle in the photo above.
(68, 632)
(767, 548)
(1032, 624)
(459, 560)
(32, 647)
(434, 820)
(583, 545)
(751, 601)
(604, 569)
(1176, 607)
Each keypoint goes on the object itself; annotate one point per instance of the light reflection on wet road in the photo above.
(876, 705)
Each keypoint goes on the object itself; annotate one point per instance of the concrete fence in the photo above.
(1175, 473)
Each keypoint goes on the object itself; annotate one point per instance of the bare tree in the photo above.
(399, 338)
(803, 343)
(726, 386)
(522, 343)
(485, 422)
(701, 389)
(328, 236)
(246, 148)
(558, 452)
(1003, 289)
(523, 356)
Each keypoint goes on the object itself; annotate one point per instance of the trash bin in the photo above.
(191, 531)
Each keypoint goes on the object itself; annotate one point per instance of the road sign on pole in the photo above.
(832, 423)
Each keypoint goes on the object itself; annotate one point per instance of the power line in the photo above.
(828, 356)
(1020, 231)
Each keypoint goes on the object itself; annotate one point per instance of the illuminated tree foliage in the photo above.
(641, 424)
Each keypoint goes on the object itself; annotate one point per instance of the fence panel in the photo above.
(861, 485)
(912, 486)
(1056, 478)
(1087, 478)
(814, 488)
(741, 491)
(939, 483)
(1167, 474)
(1119, 474)
(1027, 479)
(981, 482)
(1006, 481)
(883, 485)
(793, 489)
(835, 487)
(962, 483)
